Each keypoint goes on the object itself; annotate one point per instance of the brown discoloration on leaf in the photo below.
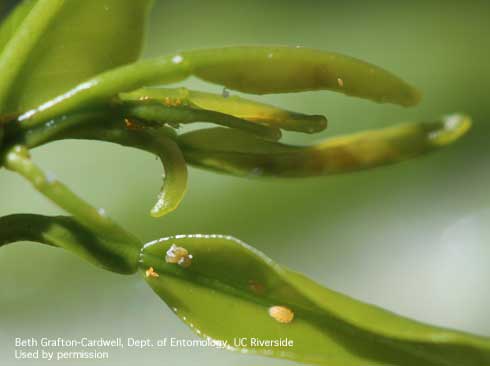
(256, 287)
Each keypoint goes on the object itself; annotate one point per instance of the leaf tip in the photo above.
(451, 128)
(412, 98)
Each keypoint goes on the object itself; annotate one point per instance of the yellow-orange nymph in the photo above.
(281, 314)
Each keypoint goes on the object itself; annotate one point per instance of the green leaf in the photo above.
(229, 288)
(244, 109)
(11, 23)
(105, 127)
(156, 113)
(258, 70)
(264, 70)
(61, 43)
(22, 40)
(160, 143)
(237, 153)
(65, 232)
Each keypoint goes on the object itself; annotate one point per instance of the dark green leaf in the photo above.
(228, 289)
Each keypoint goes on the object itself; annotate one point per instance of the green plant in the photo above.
(225, 279)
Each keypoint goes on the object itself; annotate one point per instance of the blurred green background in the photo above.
(412, 238)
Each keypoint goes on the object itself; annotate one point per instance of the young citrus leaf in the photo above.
(263, 70)
(80, 39)
(175, 179)
(240, 154)
(65, 232)
(226, 291)
(235, 106)
(105, 125)
(156, 141)
(257, 70)
(155, 112)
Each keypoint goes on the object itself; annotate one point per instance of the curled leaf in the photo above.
(241, 154)
(104, 125)
(175, 180)
(232, 293)
(156, 141)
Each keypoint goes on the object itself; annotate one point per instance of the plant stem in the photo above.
(17, 159)
(53, 129)
(100, 89)
(64, 232)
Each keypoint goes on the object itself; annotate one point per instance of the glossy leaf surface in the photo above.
(228, 289)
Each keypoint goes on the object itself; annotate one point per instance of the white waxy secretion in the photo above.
(178, 255)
